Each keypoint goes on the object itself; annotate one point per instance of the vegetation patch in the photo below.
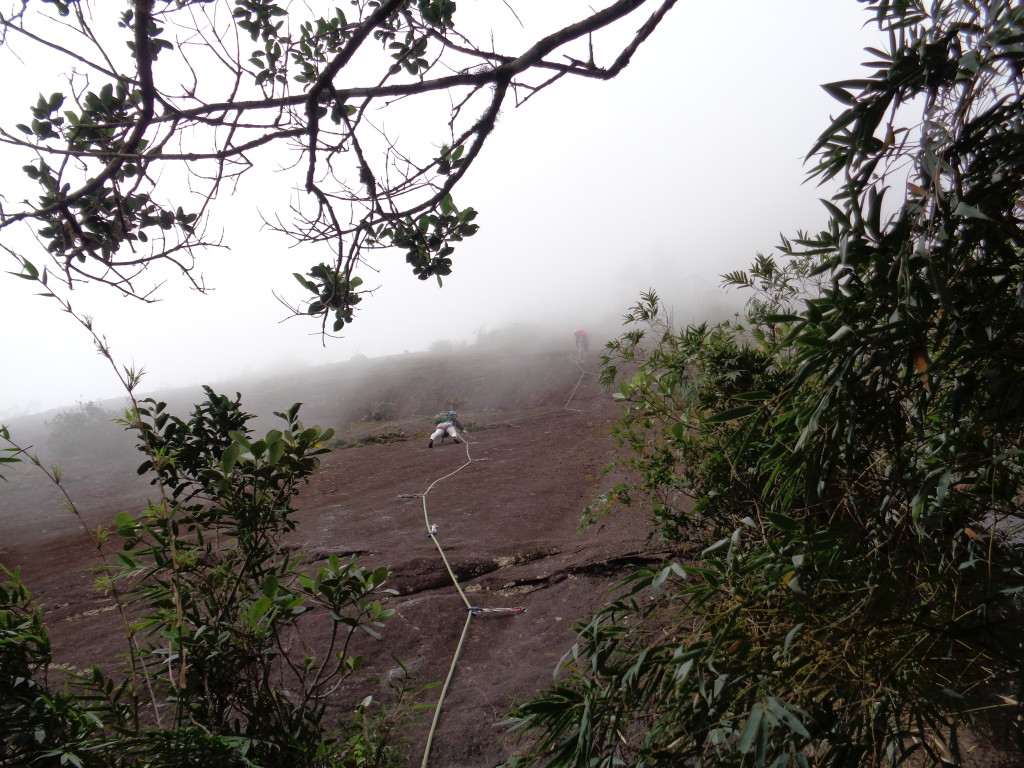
(381, 411)
(473, 427)
(380, 438)
(526, 557)
(846, 457)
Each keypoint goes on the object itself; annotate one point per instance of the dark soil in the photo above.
(539, 440)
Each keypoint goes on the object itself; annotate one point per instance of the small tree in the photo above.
(221, 670)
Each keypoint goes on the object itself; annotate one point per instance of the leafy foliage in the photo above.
(8, 455)
(222, 669)
(841, 477)
(199, 90)
(31, 717)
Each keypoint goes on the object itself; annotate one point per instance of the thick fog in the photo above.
(681, 169)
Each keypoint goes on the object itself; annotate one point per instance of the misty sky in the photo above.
(682, 168)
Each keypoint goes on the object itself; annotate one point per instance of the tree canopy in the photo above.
(167, 104)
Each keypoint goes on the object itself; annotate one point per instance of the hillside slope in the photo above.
(507, 521)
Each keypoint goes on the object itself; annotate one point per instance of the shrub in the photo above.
(846, 586)
(86, 429)
(218, 605)
(381, 438)
(857, 621)
(381, 411)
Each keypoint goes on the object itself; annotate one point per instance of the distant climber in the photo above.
(448, 426)
(582, 344)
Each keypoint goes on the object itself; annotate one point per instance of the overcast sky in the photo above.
(679, 170)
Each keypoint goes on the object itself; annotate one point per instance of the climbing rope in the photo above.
(471, 610)
(579, 364)
(575, 361)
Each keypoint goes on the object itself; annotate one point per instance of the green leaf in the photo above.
(757, 394)
(275, 453)
(720, 544)
(843, 331)
(750, 731)
(777, 708)
(260, 608)
(240, 439)
(660, 577)
(731, 414)
(782, 522)
(791, 636)
(969, 211)
(808, 340)
(230, 457)
(839, 93)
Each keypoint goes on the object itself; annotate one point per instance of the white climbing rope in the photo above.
(471, 610)
(578, 364)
